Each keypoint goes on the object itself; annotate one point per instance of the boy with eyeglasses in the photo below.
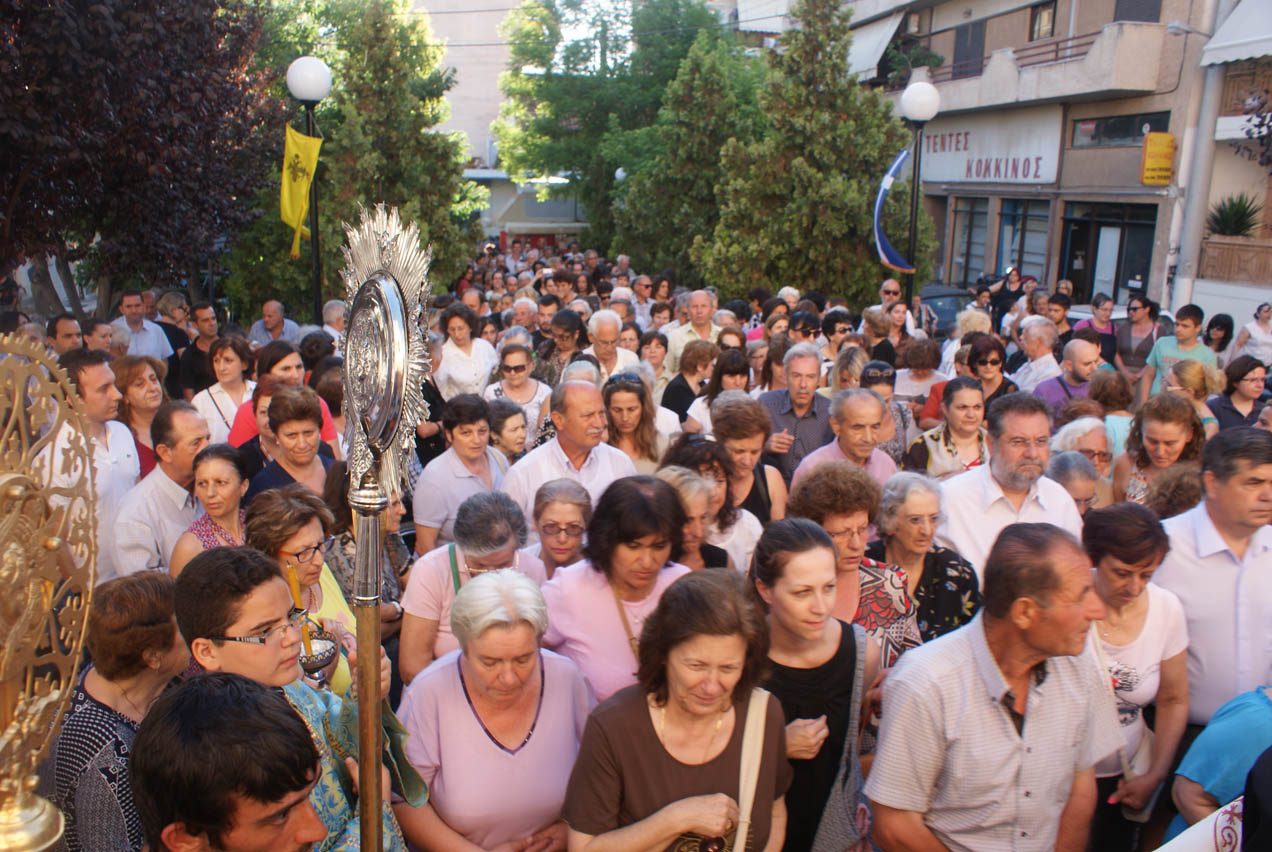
(236, 614)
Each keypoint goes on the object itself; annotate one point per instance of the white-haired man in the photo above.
(333, 320)
(1037, 339)
(604, 327)
(699, 327)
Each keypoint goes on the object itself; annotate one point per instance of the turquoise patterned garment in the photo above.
(332, 723)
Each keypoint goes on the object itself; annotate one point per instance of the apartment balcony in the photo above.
(1121, 60)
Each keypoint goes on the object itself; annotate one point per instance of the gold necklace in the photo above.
(715, 731)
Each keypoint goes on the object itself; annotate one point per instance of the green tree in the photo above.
(567, 101)
(796, 205)
(388, 93)
(669, 200)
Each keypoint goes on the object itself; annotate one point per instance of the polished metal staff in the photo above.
(386, 362)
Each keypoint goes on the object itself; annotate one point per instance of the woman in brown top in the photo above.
(658, 767)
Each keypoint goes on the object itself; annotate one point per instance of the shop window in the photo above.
(1138, 10)
(967, 248)
(1042, 21)
(1107, 248)
(1022, 235)
(1117, 130)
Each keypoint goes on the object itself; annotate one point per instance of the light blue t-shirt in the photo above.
(1166, 352)
(1222, 755)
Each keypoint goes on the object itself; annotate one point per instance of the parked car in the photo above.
(946, 301)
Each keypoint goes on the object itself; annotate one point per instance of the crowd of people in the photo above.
(777, 573)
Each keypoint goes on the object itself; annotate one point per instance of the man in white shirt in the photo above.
(272, 326)
(115, 462)
(990, 734)
(604, 327)
(699, 327)
(1220, 567)
(577, 452)
(144, 336)
(155, 513)
(1038, 339)
(983, 501)
(333, 320)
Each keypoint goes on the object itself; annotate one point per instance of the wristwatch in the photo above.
(397, 606)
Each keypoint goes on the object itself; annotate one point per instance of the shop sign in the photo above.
(1157, 162)
(1016, 146)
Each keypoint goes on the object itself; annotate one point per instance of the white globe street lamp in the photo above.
(309, 81)
(920, 102)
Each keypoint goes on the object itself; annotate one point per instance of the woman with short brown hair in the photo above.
(295, 419)
(291, 526)
(742, 426)
(659, 764)
(136, 650)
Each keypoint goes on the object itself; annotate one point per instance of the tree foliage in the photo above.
(388, 94)
(129, 132)
(669, 199)
(567, 102)
(797, 204)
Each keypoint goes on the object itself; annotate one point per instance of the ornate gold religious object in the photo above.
(386, 362)
(47, 564)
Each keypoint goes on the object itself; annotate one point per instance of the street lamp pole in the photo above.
(309, 81)
(920, 103)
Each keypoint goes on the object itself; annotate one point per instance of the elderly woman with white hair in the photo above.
(495, 726)
(942, 583)
(1078, 476)
(1089, 436)
(489, 529)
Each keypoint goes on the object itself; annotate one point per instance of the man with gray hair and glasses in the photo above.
(1011, 489)
(990, 734)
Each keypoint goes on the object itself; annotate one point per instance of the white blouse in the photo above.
(216, 407)
(465, 373)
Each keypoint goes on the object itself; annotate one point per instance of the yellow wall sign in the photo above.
(1157, 161)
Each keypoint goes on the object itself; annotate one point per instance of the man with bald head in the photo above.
(856, 418)
(1081, 360)
(699, 327)
(273, 326)
(578, 451)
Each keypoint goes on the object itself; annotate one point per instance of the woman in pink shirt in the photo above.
(597, 606)
(495, 725)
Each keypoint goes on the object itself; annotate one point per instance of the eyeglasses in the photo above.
(309, 552)
(551, 530)
(990, 362)
(272, 636)
(1101, 456)
(1085, 503)
(515, 368)
(1130, 308)
(892, 292)
(1252, 379)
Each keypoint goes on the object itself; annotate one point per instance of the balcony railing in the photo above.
(1040, 53)
(1241, 81)
(1236, 259)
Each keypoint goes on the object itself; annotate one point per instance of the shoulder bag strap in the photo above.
(749, 766)
(454, 566)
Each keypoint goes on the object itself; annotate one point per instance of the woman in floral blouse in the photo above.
(942, 583)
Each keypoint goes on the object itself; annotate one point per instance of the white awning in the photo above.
(1247, 34)
(869, 42)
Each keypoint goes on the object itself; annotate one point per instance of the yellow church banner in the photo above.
(300, 159)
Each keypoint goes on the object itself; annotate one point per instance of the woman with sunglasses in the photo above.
(986, 363)
(562, 511)
(290, 525)
(1135, 341)
(515, 384)
(631, 421)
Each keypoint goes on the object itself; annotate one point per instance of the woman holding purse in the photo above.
(692, 756)
(819, 668)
